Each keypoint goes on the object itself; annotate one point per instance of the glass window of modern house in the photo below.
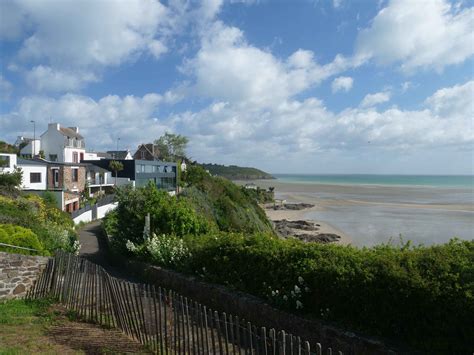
(148, 168)
(75, 157)
(53, 157)
(5, 161)
(75, 175)
(35, 177)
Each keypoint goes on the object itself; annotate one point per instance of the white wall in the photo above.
(52, 142)
(28, 149)
(91, 156)
(103, 210)
(68, 154)
(11, 166)
(85, 217)
(26, 184)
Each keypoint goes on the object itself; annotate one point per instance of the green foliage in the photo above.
(53, 227)
(234, 172)
(223, 203)
(11, 180)
(49, 199)
(169, 215)
(421, 295)
(21, 237)
(259, 195)
(8, 148)
(172, 146)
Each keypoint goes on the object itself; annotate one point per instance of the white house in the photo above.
(31, 149)
(63, 144)
(34, 174)
(11, 162)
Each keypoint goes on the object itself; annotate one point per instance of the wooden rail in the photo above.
(164, 321)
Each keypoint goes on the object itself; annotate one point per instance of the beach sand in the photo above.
(367, 215)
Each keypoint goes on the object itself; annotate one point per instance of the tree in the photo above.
(116, 166)
(172, 146)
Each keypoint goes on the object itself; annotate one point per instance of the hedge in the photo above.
(21, 237)
(420, 295)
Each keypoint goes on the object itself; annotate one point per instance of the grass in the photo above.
(41, 327)
(24, 325)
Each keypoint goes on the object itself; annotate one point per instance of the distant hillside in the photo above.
(233, 172)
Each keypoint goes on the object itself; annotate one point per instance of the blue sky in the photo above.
(288, 86)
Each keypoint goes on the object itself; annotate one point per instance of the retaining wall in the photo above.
(18, 273)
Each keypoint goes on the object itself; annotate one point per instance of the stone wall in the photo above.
(258, 312)
(18, 273)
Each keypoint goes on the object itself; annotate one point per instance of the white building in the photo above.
(11, 162)
(31, 149)
(63, 144)
(34, 174)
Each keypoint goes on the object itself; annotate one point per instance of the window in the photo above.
(4, 161)
(35, 177)
(53, 157)
(143, 153)
(75, 175)
(75, 157)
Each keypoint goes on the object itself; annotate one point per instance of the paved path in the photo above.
(95, 249)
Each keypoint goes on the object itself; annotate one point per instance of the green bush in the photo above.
(422, 295)
(21, 237)
(54, 228)
(169, 215)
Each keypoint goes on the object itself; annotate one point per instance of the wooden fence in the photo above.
(164, 321)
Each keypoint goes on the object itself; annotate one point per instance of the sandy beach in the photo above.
(366, 215)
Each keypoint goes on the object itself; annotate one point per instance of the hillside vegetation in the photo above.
(33, 222)
(232, 208)
(233, 172)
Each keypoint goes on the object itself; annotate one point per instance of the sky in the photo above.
(300, 86)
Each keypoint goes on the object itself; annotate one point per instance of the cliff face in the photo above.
(233, 172)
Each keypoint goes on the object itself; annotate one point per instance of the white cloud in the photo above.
(419, 34)
(228, 68)
(44, 78)
(13, 21)
(226, 131)
(6, 88)
(101, 121)
(375, 99)
(336, 3)
(456, 100)
(342, 83)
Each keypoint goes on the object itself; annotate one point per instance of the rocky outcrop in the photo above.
(18, 273)
(291, 206)
(303, 230)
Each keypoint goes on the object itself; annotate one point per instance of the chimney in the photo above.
(75, 129)
(54, 126)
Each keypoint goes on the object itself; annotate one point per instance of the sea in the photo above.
(375, 209)
(455, 181)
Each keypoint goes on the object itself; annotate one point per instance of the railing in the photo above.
(17, 247)
(102, 202)
(161, 319)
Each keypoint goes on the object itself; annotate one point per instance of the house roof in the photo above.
(149, 148)
(21, 161)
(118, 154)
(70, 132)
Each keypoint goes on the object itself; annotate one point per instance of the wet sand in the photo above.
(366, 215)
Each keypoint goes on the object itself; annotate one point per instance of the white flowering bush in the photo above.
(288, 297)
(166, 249)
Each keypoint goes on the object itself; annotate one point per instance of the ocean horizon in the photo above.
(445, 181)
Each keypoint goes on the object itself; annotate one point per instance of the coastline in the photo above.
(367, 215)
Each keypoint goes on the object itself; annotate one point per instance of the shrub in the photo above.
(422, 295)
(21, 237)
(168, 216)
